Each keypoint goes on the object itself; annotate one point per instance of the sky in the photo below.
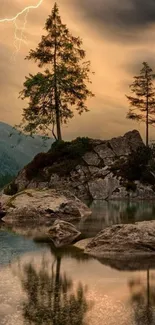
(118, 35)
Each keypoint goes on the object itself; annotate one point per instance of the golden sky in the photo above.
(117, 36)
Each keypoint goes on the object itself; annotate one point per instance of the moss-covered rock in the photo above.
(62, 158)
(122, 167)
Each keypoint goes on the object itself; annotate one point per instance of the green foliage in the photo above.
(54, 93)
(117, 165)
(62, 158)
(137, 164)
(11, 189)
(143, 103)
(130, 186)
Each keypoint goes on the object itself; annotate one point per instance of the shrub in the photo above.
(61, 158)
(130, 186)
(136, 164)
(147, 177)
(11, 189)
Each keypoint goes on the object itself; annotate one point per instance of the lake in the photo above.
(40, 285)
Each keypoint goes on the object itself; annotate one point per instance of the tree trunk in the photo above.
(147, 116)
(149, 314)
(57, 293)
(59, 136)
(147, 128)
(57, 109)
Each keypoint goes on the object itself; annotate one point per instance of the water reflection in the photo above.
(51, 296)
(143, 298)
(107, 213)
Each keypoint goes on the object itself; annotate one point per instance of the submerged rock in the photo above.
(44, 206)
(63, 233)
(125, 240)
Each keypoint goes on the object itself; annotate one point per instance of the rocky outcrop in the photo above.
(63, 233)
(124, 241)
(103, 188)
(43, 206)
(96, 175)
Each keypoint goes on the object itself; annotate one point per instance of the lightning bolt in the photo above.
(18, 40)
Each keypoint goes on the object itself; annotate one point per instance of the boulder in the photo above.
(91, 158)
(120, 146)
(102, 189)
(99, 172)
(104, 151)
(94, 171)
(63, 233)
(133, 139)
(44, 206)
(124, 241)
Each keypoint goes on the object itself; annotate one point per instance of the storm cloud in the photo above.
(118, 35)
(120, 18)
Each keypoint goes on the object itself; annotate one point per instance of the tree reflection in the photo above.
(51, 297)
(143, 300)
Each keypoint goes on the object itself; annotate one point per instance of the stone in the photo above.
(63, 233)
(82, 244)
(102, 189)
(94, 174)
(104, 151)
(99, 172)
(91, 158)
(134, 140)
(124, 241)
(120, 146)
(44, 206)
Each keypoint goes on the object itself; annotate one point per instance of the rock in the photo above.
(44, 206)
(99, 172)
(91, 158)
(120, 146)
(104, 151)
(81, 244)
(124, 241)
(63, 233)
(133, 139)
(95, 174)
(102, 189)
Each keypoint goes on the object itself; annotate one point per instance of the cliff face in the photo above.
(97, 170)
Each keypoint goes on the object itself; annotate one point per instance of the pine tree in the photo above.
(143, 104)
(63, 86)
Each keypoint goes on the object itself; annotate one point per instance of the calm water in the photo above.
(43, 286)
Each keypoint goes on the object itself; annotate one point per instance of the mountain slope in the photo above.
(16, 150)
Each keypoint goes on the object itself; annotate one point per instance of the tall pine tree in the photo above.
(143, 103)
(63, 86)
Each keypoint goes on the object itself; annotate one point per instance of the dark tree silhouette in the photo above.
(143, 301)
(63, 85)
(51, 298)
(143, 103)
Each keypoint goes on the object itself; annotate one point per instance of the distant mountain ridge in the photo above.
(17, 150)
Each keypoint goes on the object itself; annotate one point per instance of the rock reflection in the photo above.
(143, 299)
(116, 212)
(51, 296)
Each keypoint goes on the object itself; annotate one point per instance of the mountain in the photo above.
(17, 150)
